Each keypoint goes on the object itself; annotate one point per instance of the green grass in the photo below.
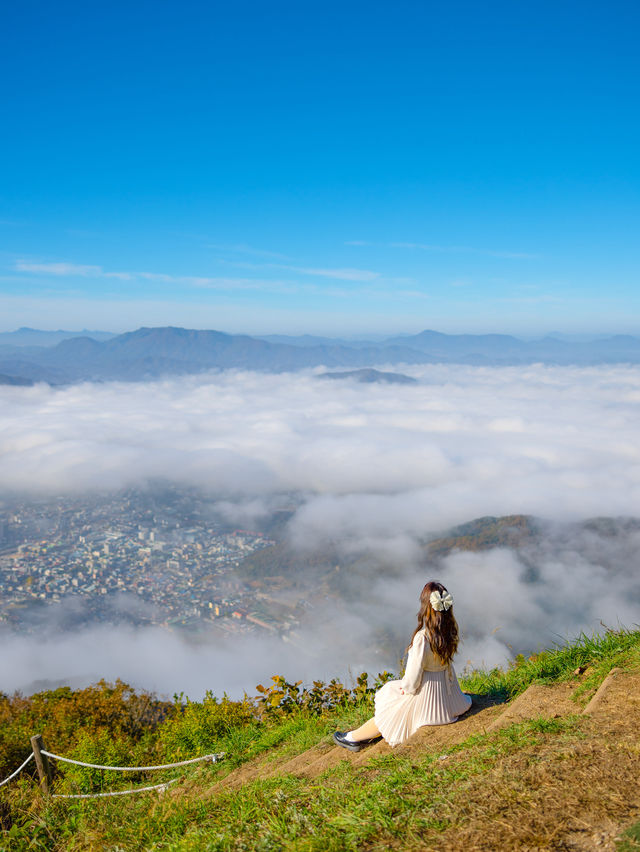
(346, 808)
(630, 841)
(599, 652)
(391, 801)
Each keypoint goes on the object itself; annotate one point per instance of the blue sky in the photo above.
(335, 168)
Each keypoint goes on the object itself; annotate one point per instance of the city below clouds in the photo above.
(374, 469)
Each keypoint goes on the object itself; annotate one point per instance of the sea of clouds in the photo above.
(374, 467)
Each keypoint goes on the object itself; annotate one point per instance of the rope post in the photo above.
(42, 764)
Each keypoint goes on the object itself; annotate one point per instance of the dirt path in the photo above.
(570, 799)
(325, 754)
(485, 715)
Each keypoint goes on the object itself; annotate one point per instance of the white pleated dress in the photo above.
(432, 695)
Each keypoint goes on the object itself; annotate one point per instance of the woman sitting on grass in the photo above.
(429, 693)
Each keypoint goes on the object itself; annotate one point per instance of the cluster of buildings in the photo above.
(141, 556)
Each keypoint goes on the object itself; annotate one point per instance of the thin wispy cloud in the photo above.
(70, 269)
(448, 249)
(218, 282)
(341, 274)
(542, 298)
(514, 255)
(66, 269)
(226, 283)
(411, 294)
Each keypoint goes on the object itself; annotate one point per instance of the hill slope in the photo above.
(554, 768)
(536, 773)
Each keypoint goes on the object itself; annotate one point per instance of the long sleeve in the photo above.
(413, 672)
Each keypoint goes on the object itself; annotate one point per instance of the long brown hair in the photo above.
(440, 625)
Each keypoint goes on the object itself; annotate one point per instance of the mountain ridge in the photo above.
(152, 352)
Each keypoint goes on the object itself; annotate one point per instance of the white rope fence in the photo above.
(161, 787)
(18, 770)
(213, 758)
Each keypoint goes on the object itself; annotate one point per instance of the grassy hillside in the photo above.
(524, 782)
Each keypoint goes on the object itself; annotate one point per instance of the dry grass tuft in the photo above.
(569, 798)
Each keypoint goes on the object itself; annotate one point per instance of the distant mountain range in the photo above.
(35, 337)
(15, 380)
(149, 353)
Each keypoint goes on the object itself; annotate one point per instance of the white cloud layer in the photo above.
(465, 441)
(379, 465)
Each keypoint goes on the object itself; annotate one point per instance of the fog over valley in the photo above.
(330, 503)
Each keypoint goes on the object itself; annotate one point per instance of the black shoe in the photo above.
(340, 739)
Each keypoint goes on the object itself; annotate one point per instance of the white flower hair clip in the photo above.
(440, 602)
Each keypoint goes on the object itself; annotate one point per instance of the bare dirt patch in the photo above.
(568, 797)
